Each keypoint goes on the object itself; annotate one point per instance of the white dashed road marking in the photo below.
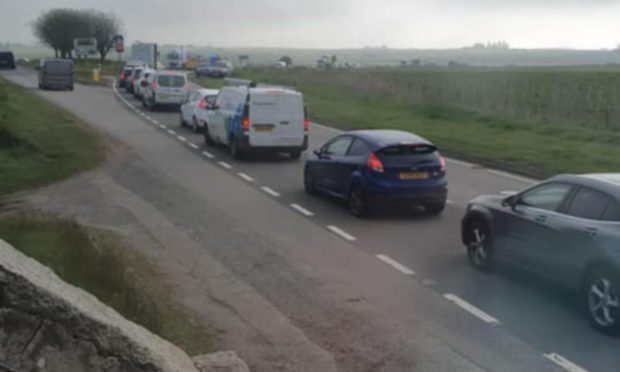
(471, 309)
(162, 126)
(181, 138)
(402, 268)
(172, 133)
(246, 177)
(208, 155)
(564, 363)
(302, 210)
(271, 192)
(194, 146)
(341, 233)
(225, 165)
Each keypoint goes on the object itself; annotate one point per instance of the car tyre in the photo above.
(309, 185)
(235, 151)
(181, 120)
(434, 209)
(357, 202)
(195, 126)
(601, 299)
(479, 245)
(208, 139)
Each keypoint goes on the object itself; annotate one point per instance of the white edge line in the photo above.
(564, 363)
(461, 163)
(402, 268)
(511, 176)
(343, 234)
(225, 165)
(471, 309)
(246, 177)
(193, 145)
(302, 210)
(327, 128)
(208, 155)
(270, 191)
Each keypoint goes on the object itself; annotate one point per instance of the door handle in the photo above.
(540, 219)
(591, 232)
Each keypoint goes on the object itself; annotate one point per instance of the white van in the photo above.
(251, 119)
(165, 88)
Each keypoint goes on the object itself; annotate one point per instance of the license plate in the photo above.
(263, 129)
(413, 175)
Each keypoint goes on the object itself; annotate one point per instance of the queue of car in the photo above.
(566, 229)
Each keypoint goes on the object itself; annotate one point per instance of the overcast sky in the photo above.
(583, 24)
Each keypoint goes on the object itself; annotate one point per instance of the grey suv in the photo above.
(566, 229)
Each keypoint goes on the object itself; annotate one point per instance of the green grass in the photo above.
(96, 261)
(529, 148)
(39, 142)
(207, 82)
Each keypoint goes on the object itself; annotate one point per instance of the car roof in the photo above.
(607, 182)
(171, 72)
(206, 91)
(380, 138)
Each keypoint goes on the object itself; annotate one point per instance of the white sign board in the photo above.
(85, 46)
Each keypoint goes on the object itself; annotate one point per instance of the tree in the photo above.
(58, 27)
(286, 60)
(103, 26)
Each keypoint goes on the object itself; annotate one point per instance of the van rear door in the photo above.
(277, 118)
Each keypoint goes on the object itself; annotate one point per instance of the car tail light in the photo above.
(374, 163)
(306, 125)
(202, 104)
(154, 84)
(442, 163)
(245, 123)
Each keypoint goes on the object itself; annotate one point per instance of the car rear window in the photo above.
(171, 81)
(57, 66)
(408, 154)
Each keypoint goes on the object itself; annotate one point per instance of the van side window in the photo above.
(588, 203)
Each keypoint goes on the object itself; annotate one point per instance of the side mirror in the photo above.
(317, 152)
(511, 201)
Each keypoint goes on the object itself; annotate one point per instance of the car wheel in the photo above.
(295, 154)
(358, 205)
(181, 120)
(434, 209)
(479, 245)
(195, 126)
(235, 152)
(208, 140)
(309, 185)
(601, 294)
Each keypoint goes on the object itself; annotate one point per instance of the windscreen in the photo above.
(171, 81)
(408, 154)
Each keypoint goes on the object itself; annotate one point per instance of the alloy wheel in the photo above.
(603, 302)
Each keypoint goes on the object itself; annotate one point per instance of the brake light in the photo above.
(122, 77)
(245, 123)
(154, 84)
(374, 163)
(306, 125)
(442, 163)
(202, 104)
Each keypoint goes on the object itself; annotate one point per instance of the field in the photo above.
(534, 121)
(41, 143)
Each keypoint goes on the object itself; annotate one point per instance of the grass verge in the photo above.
(41, 143)
(538, 150)
(96, 261)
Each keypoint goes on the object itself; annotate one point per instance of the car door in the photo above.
(186, 107)
(329, 174)
(356, 157)
(580, 234)
(531, 225)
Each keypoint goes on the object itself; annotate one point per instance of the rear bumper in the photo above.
(435, 193)
(245, 145)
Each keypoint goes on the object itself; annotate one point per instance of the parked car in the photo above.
(566, 229)
(141, 82)
(124, 76)
(7, 60)
(131, 79)
(165, 88)
(219, 70)
(369, 168)
(56, 74)
(198, 101)
(248, 119)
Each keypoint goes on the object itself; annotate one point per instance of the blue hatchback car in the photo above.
(371, 168)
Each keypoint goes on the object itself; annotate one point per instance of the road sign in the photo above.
(119, 43)
(85, 46)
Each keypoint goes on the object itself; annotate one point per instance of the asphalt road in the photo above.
(395, 290)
